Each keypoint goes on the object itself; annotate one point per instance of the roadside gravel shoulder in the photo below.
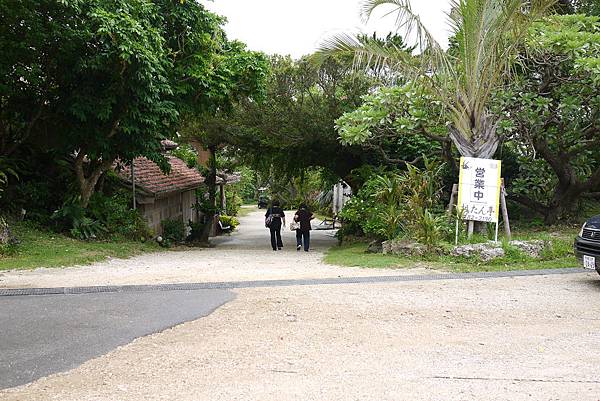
(498, 339)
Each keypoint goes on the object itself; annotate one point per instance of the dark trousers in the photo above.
(300, 235)
(276, 238)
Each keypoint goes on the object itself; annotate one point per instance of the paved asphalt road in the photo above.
(41, 335)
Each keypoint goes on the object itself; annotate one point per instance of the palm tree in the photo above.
(486, 35)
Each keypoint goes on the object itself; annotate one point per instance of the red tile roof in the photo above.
(150, 179)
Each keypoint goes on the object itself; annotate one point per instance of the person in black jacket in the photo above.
(277, 220)
(303, 216)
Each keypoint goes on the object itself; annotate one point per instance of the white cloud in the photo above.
(298, 27)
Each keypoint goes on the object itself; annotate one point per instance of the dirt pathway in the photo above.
(244, 255)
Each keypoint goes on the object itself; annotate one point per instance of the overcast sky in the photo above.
(297, 27)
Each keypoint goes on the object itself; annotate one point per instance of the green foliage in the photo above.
(115, 213)
(203, 204)
(233, 199)
(397, 121)
(121, 76)
(196, 229)
(247, 187)
(399, 204)
(106, 217)
(293, 127)
(72, 217)
(9, 249)
(550, 113)
(486, 36)
(87, 229)
(187, 153)
(173, 230)
(230, 221)
(421, 192)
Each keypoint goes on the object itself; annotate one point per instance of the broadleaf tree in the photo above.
(551, 115)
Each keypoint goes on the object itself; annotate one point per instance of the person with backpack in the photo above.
(274, 220)
(303, 217)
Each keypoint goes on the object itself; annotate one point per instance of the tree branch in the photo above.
(27, 132)
(530, 203)
(390, 160)
(564, 171)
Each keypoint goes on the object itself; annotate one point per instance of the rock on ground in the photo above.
(486, 251)
(403, 247)
(533, 248)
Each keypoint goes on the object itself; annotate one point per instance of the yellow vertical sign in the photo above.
(479, 189)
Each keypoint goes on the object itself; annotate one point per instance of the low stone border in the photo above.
(5, 292)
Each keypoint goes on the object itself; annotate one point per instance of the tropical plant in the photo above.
(72, 217)
(400, 204)
(486, 36)
(229, 221)
(87, 229)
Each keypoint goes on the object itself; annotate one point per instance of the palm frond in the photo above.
(409, 23)
(370, 53)
(488, 34)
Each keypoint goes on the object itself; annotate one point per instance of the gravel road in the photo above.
(244, 255)
(523, 338)
(531, 338)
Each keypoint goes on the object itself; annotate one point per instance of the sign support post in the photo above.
(456, 235)
(496, 240)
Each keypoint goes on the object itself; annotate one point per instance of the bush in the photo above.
(196, 229)
(106, 216)
(173, 230)
(230, 221)
(233, 200)
(87, 229)
(403, 204)
(72, 218)
(362, 214)
(9, 249)
(116, 214)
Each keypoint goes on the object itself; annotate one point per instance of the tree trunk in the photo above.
(482, 143)
(211, 183)
(6, 236)
(87, 184)
(563, 201)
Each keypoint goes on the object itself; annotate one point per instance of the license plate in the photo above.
(589, 262)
